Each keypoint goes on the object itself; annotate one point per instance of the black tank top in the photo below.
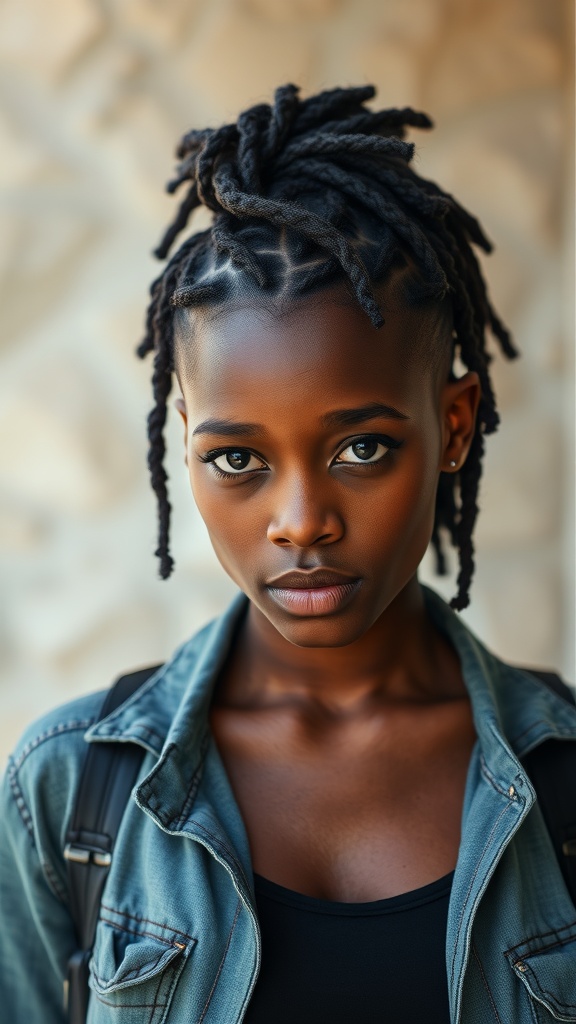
(325, 962)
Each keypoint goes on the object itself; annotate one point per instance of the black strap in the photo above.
(552, 769)
(108, 776)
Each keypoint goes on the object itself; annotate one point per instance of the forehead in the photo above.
(323, 345)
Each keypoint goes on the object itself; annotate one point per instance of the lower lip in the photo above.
(319, 601)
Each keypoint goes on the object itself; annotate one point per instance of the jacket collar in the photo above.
(512, 708)
(513, 711)
(172, 706)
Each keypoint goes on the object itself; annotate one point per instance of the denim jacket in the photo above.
(178, 937)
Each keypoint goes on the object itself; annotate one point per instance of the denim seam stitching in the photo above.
(485, 983)
(472, 880)
(28, 822)
(145, 787)
(221, 965)
(191, 794)
(554, 1000)
(141, 931)
(133, 1006)
(112, 734)
(147, 920)
(54, 882)
(131, 975)
(532, 1003)
(157, 1005)
(542, 949)
(493, 781)
(217, 843)
(193, 787)
(544, 935)
(520, 735)
(57, 730)
(20, 801)
(176, 971)
(560, 730)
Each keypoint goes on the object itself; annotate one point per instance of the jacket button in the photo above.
(511, 792)
(521, 966)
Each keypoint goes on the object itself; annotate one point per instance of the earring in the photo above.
(453, 463)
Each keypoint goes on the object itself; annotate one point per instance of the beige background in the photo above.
(93, 96)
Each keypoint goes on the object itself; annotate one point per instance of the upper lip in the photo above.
(310, 579)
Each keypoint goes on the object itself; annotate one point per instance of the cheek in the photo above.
(231, 524)
(210, 502)
(399, 514)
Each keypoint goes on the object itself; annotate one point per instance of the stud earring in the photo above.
(453, 463)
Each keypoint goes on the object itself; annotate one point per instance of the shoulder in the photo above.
(41, 781)
(51, 750)
(48, 756)
(62, 727)
(52, 747)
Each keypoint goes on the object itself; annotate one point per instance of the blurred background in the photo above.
(93, 97)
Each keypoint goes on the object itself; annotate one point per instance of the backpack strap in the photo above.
(108, 775)
(552, 769)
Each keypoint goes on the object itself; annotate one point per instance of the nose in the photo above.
(304, 517)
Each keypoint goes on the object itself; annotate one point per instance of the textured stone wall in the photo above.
(93, 95)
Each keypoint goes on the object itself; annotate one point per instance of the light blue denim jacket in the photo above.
(178, 936)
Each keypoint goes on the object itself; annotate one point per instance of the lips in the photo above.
(314, 592)
(311, 579)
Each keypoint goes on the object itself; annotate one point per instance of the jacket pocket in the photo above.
(134, 972)
(547, 967)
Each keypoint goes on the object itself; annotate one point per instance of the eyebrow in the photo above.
(224, 428)
(337, 418)
(347, 417)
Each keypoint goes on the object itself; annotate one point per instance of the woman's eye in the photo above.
(365, 449)
(235, 461)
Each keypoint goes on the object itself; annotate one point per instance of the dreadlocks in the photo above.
(305, 193)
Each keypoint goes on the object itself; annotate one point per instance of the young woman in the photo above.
(333, 821)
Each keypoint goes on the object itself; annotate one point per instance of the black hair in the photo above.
(306, 193)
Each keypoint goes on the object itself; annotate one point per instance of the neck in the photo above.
(401, 657)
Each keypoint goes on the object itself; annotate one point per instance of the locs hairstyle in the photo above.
(306, 193)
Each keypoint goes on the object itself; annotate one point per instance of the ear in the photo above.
(179, 404)
(460, 399)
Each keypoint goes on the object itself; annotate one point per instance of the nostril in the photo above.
(286, 542)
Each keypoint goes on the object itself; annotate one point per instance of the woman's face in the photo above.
(314, 444)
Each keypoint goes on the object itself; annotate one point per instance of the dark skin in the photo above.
(346, 732)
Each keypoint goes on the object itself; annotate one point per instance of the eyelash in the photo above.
(211, 456)
(389, 442)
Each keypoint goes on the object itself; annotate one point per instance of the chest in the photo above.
(352, 961)
(350, 814)
(179, 941)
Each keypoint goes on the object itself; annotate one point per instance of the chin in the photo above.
(321, 631)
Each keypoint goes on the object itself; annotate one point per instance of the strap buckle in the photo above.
(85, 854)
